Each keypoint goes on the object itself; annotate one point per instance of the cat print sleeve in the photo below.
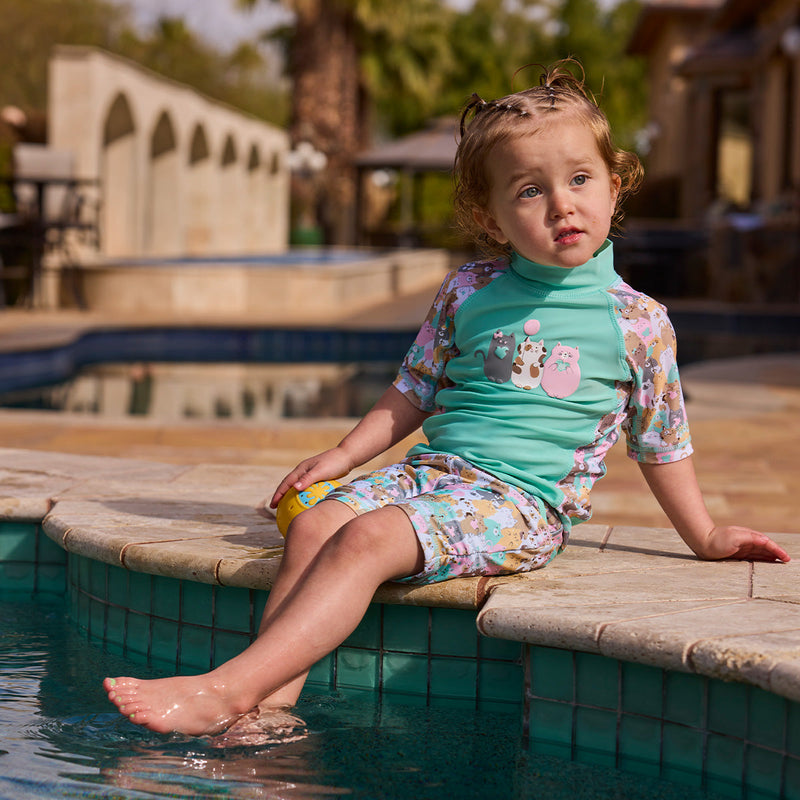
(422, 373)
(655, 425)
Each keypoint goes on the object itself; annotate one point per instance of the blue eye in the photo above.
(531, 191)
(580, 180)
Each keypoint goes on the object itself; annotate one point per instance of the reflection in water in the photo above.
(167, 392)
(59, 738)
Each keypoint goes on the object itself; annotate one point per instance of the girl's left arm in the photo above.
(675, 487)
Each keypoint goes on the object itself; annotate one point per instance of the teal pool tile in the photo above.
(118, 586)
(767, 714)
(793, 729)
(682, 754)
(139, 585)
(640, 745)
(724, 765)
(684, 698)
(49, 551)
(228, 644)
(18, 541)
(166, 598)
(596, 736)
(453, 677)
(137, 634)
(164, 641)
(499, 649)
(97, 619)
(51, 578)
(82, 617)
(550, 730)
(551, 673)
(359, 669)
(195, 643)
(727, 708)
(642, 689)
(368, 633)
(322, 673)
(499, 680)
(73, 568)
(98, 579)
(596, 680)
(405, 628)
(115, 625)
(763, 772)
(197, 603)
(84, 566)
(18, 576)
(464, 704)
(453, 632)
(405, 673)
(232, 611)
(791, 779)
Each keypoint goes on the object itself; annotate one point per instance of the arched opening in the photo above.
(119, 180)
(199, 194)
(231, 230)
(162, 210)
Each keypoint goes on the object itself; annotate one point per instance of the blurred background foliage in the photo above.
(418, 59)
(350, 72)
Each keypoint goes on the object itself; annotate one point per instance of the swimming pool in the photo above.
(414, 705)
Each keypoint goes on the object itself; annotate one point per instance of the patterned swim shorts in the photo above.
(467, 521)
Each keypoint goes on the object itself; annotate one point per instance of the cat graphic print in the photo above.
(528, 367)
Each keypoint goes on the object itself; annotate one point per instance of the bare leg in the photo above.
(316, 616)
(306, 537)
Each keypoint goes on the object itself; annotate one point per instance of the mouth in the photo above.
(569, 236)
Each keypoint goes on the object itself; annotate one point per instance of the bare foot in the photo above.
(194, 705)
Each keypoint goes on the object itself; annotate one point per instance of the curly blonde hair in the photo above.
(486, 124)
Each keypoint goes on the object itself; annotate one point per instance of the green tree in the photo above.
(597, 37)
(342, 55)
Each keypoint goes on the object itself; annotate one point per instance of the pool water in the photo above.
(59, 737)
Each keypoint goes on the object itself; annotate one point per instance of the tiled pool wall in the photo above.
(732, 739)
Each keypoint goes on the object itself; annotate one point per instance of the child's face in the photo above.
(552, 196)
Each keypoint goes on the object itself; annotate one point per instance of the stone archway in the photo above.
(199, 193)
(162, 200)
(119, 182)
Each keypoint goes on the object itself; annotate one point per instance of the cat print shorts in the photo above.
(468, 522)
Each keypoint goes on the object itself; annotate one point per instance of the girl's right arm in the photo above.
(389, 421)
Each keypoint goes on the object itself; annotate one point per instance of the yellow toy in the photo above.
(293, 502)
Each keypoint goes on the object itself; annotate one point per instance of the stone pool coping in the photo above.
(630, 593)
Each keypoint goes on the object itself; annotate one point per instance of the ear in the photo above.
(616, 185)
(484, 219)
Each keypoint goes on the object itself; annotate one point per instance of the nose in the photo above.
(561, 204)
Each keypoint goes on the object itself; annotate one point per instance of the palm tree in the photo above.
(339, 53)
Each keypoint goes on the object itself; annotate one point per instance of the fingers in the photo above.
(764, 549)
(301, 477)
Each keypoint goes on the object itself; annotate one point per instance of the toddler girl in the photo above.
(523, 375)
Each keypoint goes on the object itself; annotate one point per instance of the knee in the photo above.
(308, 532)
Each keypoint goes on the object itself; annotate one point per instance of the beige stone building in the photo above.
(177, 172)
(724, 78)
(724, 137)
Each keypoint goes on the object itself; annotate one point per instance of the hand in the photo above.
(739, 543)
(333, 463)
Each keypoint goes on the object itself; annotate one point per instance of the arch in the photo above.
(228, 152)
(230, 186)
(162, 200)
(119, 180)
(254, 159)
(199, 218)
(198, 148)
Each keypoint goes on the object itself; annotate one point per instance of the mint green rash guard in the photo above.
(532, 371)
